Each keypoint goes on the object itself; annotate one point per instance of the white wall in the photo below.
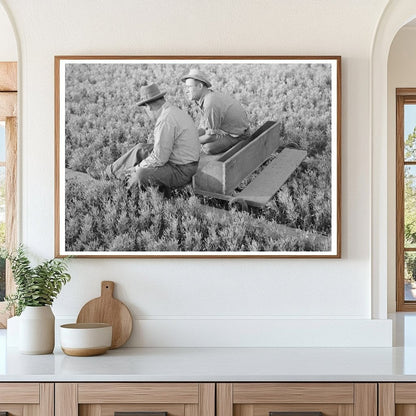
(203, 302)
(401, 74)
(8, 46)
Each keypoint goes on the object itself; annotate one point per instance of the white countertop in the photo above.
(215, 364)
(222, 364)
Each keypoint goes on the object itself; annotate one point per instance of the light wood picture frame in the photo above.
(276, 193)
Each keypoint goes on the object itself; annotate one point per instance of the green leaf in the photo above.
(35, 286)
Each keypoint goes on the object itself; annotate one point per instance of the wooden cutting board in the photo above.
(108, 310)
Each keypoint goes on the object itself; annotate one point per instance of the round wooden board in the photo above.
(111, 311)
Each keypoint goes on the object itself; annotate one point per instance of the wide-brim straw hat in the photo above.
(195, 73)
(149, 93)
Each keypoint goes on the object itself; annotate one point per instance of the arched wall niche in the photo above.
(397, 14)
(9, 46)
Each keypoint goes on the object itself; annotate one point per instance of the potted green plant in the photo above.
(36, 289)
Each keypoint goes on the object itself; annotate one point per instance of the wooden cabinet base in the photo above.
(175, 399)
(208, 399)
(267, 399)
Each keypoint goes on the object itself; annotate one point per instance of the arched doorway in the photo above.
(395, 16)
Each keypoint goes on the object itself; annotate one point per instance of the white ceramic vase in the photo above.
(37, 330)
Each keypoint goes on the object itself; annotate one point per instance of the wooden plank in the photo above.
(223, 173)
(205, 175)
(8, 105)
(340, 393)
(11, 195)
(138, 393)
(386, 401)
(246, 410)
(57, 159)
(91, 410)
(365, 403)
(405, 410)
(66, 399)
(8, 76)
(209, 176)
(210, 168)
(30, 410)
(401, 101)
(237, 147)
(190, 410)
(405, 393)
(19, 393)
(224, 399)
(345, 410)
(400, 301)
(405, 91)
(205, 159)
(47, 402)
(207, 399)
(250, 157)
(260, 190)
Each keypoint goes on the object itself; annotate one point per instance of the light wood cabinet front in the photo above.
(105, 399)
(397, 399)
(27, 399)
(264, 399)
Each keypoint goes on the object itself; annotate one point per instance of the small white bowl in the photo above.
(83, 340)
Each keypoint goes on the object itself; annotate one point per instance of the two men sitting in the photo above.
(172, 159)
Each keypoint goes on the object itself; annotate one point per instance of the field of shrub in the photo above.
(102, 121)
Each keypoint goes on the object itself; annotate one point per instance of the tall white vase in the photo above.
(37, 330)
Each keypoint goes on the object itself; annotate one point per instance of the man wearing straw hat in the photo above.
(172, 159)
(224, 122)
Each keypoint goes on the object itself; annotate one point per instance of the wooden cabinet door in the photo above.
(397, 399)
(297, 399)
(145, 399)
(26, 399)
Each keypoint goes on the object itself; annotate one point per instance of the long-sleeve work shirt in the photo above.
(222, 113)
(175, 139)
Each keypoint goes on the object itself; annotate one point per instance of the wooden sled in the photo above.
(219, 175)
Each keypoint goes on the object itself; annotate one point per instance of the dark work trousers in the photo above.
(169, 175)
(129, 160)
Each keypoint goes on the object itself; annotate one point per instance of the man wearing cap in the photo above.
(172, 159)
(224, 122)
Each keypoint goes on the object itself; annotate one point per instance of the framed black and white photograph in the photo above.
(198, 156)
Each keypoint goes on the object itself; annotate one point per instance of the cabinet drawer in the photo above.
(309, 399)
(149, 399)
(19, 393)
(21, 399)
(138, 393)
